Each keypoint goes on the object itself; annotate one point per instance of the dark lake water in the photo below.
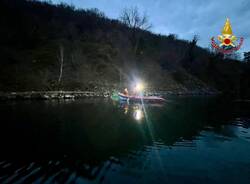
(186, 140)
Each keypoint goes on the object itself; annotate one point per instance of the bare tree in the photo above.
(133, 19)
(192, 45)
(61, 57)
(136, 22)
(190, 53)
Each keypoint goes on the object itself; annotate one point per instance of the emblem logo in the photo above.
(227, 40)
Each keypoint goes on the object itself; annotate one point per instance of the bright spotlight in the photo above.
(139, 87)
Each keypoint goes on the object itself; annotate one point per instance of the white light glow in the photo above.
(138, 114)
(139, 87)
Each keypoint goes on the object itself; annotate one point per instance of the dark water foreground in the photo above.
(187, 140)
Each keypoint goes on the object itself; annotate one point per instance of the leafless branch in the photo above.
(133, 19)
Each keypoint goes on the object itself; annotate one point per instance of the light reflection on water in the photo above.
(135, 109)
(191, 140)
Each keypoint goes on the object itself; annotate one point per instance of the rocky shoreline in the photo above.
(47, 95)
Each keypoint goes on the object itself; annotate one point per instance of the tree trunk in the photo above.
(61, 64)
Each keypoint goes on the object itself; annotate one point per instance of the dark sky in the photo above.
(183, 17)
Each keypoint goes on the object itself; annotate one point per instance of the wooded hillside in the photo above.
(59, 47)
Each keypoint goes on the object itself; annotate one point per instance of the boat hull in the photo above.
(123, 97)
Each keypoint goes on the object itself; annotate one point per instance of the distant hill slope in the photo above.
(97, 54)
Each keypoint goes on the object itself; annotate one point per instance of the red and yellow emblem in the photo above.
(227, 40)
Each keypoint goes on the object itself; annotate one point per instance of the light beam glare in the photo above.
(149, 125)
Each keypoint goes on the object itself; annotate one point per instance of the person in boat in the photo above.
(125, 92)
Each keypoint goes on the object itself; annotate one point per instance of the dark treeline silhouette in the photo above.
(49, 47)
